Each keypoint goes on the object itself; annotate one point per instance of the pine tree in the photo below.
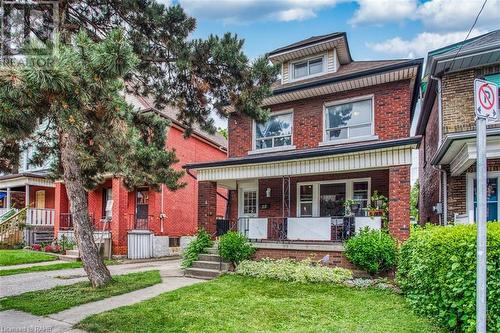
(90, 130)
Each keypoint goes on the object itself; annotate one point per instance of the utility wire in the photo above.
(468, 34)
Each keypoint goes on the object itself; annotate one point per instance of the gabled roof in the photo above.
(476, 52)
(312, 45)
(146, 104)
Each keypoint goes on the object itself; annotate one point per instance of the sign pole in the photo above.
(481, 177)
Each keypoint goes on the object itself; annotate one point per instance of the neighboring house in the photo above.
(339, 130)
(447, 124)
(154, 223)
(30, 187)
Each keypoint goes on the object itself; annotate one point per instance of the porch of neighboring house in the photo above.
(296, 208)
(37, 195)
(134, 224)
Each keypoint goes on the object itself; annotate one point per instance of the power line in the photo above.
(468, 34)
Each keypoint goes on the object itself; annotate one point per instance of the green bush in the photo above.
(234, 247)
(372, 250)
(293, 271)
(437, 273)
(197, 246)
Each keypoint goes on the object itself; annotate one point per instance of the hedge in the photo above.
(437, 273)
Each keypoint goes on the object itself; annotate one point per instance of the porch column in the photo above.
(27, 203)
(207, 206)
(399, 202)
(8, 198)
(61, 205)
(120, 218)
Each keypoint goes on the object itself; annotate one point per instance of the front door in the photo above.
(142, 209)
(248, 203)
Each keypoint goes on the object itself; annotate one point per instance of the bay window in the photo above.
(326, 198)
(349, 120)
(276, 132)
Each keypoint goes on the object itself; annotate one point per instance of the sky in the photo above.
(376, 29)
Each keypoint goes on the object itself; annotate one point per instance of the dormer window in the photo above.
(308, 67)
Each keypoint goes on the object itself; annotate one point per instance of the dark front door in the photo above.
(142, 209)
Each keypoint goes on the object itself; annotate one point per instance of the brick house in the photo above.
(339, 130)
(156, 223)
(447, 126)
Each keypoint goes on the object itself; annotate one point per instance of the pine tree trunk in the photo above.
(93, 264)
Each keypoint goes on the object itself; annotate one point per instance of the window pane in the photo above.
(491, 199)
(306, 193)
(315, 66)
(337, 134)
(360, 195)
(250, 202)
(363, 130)
(276, 126)
(331, 199)
(300, 69)
(306, 209)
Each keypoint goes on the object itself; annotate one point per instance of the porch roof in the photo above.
(360, 156)
(22, 179)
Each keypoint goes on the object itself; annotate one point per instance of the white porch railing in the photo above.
(3, 211)
(40, 216)
(336, 228)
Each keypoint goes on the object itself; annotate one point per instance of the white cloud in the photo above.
(383, 11)
(421, 44)
(244, 11)
(453, 15)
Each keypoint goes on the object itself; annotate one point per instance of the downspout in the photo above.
(443, 193)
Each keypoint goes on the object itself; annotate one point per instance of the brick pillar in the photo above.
(61, 205)
(120, 218)
(207, 206)
(399, 202)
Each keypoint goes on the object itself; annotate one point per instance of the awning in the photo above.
(368, 156)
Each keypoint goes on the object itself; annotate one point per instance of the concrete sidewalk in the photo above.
(21, 283)
(78, 313)
(17, 321)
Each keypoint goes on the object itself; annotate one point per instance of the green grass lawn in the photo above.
(243, 304)
(52, 267)
(44, 302)
(17, 257)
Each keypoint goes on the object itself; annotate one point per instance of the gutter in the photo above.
(450, 138)
(314, 84)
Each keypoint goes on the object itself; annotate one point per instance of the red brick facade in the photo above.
(180, 207)
(399, 202)
(392, 117)
(337, 258)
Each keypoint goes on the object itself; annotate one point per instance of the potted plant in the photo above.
(350, 206)
(379, 207)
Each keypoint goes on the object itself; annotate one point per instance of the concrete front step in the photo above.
(212, 250)
(209, 257)
(211, 265)
(73, 253)
(202, 273)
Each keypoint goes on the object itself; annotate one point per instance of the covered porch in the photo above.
(318, 197)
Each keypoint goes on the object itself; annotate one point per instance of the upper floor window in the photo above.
(276, 132)
(349, 120)
(307, 67)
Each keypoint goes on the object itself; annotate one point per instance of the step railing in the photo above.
(12, 228)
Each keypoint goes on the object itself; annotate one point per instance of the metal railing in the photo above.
(66, 222)
(139, 223)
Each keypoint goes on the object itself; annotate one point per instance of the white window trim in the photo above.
(370, 137)
(247, 186)
(267, 150)
(470, 193)
(316, 192)
(291, 77)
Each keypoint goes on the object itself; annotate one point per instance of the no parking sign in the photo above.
(486, 99)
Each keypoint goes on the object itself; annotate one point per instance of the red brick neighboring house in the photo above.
(142, 223)
(339, 130)
(447, 124)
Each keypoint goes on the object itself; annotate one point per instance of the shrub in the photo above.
(195, 247)
(437, 273)
(234, 247)
(293, 271)
(36, 247)
(372, 250)
(48, 248)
